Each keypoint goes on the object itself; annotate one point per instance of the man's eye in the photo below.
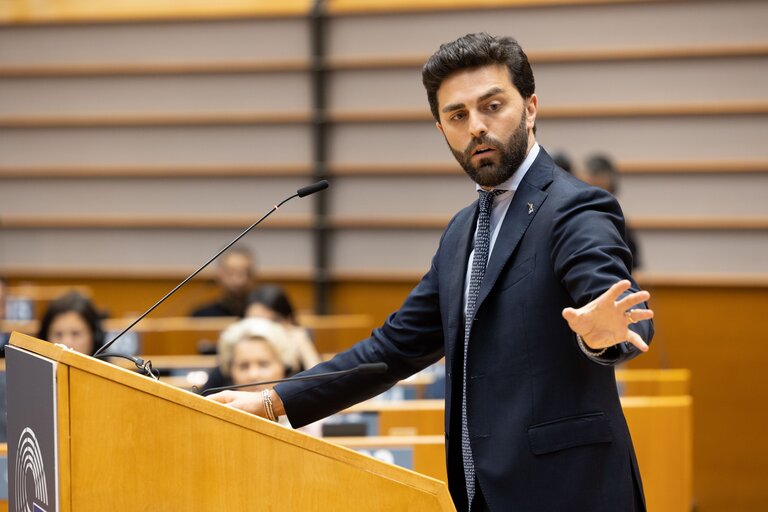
(494, 106)
(458, 116)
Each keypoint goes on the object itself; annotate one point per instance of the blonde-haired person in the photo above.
(254, 350)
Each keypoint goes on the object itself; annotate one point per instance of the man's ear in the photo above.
(439, 127)
(531, 110)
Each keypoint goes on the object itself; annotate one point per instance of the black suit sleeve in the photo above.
(590, 254)
(411, 339)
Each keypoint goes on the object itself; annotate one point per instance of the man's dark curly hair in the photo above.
(473, 51)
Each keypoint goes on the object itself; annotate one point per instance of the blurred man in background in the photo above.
(235, 277)
(3, 335)
(600, 171)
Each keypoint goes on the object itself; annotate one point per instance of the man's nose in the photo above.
(477, 127)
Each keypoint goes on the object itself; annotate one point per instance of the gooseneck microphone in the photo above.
(365, 368)
(302, 192)
(311, 189)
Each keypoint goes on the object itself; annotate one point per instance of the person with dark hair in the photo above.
(530, 299)
(599, 171)
(4, 336)
(271, 302)
(563, 161)
(73, 320)
(235, 275)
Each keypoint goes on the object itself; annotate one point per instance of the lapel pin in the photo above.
(530, 208)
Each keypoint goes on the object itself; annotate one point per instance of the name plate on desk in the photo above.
(32, 448)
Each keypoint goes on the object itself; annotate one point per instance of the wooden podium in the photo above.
(121, 441)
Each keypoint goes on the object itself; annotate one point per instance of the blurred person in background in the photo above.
(563, 161)
(4, 336)
(74, 321)
(271, 302)
(236, 273)
(254, 350)
(600, 171)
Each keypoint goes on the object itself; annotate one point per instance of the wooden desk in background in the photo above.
(674, 382)
(661, 428)
(182, 335)
(424, 454)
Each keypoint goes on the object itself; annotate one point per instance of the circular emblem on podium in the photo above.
(30, 490)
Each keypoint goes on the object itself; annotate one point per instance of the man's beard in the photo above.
(490, 174)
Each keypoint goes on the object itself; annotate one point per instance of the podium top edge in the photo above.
(37, 346)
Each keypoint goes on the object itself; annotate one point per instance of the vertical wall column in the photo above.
(319, 155)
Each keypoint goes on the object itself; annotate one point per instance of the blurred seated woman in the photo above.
(271, 302)
(72, 320)
(254, 350)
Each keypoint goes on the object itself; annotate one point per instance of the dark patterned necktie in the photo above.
(479, 262)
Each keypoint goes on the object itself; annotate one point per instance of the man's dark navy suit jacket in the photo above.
(545, 421)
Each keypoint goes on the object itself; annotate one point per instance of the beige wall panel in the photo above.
(711, 195)
(653, 82)
(597, 83)
(119, 250)
(693, 252)
(147, 196)
(706, 195)
(154, 42)
(655, 138)
(652, 24)
(155, 145)
(384, 249)
(678, 252)
(660, 138)
(155, 94)
(401, 195)
(379, 143)
(376, 89)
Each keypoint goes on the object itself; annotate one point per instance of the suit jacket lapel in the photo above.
(528, 198)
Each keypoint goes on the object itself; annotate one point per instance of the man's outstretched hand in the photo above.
(605, 321)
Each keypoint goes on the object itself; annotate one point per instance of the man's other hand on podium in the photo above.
(250, 401)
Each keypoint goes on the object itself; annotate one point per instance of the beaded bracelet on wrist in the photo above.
(583, 346)
(268, 409)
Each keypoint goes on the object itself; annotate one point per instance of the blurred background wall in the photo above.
(136, 138)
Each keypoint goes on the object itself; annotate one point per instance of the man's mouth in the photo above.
(483, 151)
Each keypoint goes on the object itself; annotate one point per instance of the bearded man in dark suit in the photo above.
(530, 299)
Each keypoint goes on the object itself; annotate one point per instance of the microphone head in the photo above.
(311, 189)
(372, 368)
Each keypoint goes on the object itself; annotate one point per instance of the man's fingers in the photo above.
(223, 397)
(244, 400)
(633, 299)
(641, 314)
(637, 341)
(617, 289)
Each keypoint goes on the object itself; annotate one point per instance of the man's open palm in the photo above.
(605, 321)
